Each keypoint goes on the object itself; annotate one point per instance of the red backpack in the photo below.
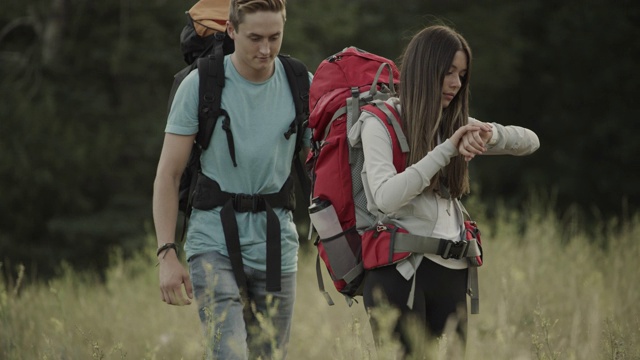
(345, 84)
(350, 238)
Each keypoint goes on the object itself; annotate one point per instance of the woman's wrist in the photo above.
(493, 139)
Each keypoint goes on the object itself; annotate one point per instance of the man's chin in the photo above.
(263, 65)
(264, 62)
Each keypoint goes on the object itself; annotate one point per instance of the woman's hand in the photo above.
(470, 139)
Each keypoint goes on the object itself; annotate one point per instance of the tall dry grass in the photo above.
(548, 291)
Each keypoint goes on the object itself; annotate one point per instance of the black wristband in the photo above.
(167, 246)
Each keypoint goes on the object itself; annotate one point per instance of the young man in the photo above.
(244, 196)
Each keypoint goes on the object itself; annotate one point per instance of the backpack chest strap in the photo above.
(209, 195)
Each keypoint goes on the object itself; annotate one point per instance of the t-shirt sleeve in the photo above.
(183, 116)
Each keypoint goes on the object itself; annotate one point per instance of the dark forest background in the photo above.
(84, 87)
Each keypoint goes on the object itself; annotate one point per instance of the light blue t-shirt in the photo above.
(260, 114)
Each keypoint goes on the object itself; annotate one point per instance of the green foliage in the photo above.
(85, 84)
(78, 139)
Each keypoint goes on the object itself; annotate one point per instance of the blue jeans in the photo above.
(229, 333)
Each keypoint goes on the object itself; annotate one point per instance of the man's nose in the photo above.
(264, 47)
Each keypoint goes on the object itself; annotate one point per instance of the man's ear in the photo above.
(231, 31)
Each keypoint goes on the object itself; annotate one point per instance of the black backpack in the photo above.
(207, 54)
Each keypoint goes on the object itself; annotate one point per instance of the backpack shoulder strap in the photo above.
(298, 77)
(211, 82)
(391, 120)
(211, 73)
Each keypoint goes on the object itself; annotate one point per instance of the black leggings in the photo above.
(440, 293)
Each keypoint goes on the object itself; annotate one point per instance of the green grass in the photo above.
(548, 291)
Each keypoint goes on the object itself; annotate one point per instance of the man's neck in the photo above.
(251, 74)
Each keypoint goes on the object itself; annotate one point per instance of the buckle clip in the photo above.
(450, 249)
(246, 203)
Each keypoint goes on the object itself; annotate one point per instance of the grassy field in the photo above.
(548, 291)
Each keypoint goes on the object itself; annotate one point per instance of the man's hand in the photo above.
(172, 277)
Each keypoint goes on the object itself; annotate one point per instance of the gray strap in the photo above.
(426, 245)
(349, 300)
(353, 114)
(321, 282)
(473, 289)
(354, 103)
(463, 209)
(354, 273)
(473, 249)
(473, 285)
(402, 139)
(382, 66)
(412, 292)
(341, 111)
(416, 243)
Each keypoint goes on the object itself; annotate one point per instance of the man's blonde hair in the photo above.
(239, 8)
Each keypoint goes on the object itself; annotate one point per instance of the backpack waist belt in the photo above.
(448, 249)
(209, 195)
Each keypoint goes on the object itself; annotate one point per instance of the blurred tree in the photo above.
(575, 85)
(317, 29)
(84, 87)
(84, 102)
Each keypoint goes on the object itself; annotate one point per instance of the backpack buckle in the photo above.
(450, 249)
(247, 203)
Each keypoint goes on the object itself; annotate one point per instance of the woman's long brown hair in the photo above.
(426, 61)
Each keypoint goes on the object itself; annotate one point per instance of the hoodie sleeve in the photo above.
(392, 190)
(511, 140)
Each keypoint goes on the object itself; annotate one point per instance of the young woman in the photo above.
(424, 199)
